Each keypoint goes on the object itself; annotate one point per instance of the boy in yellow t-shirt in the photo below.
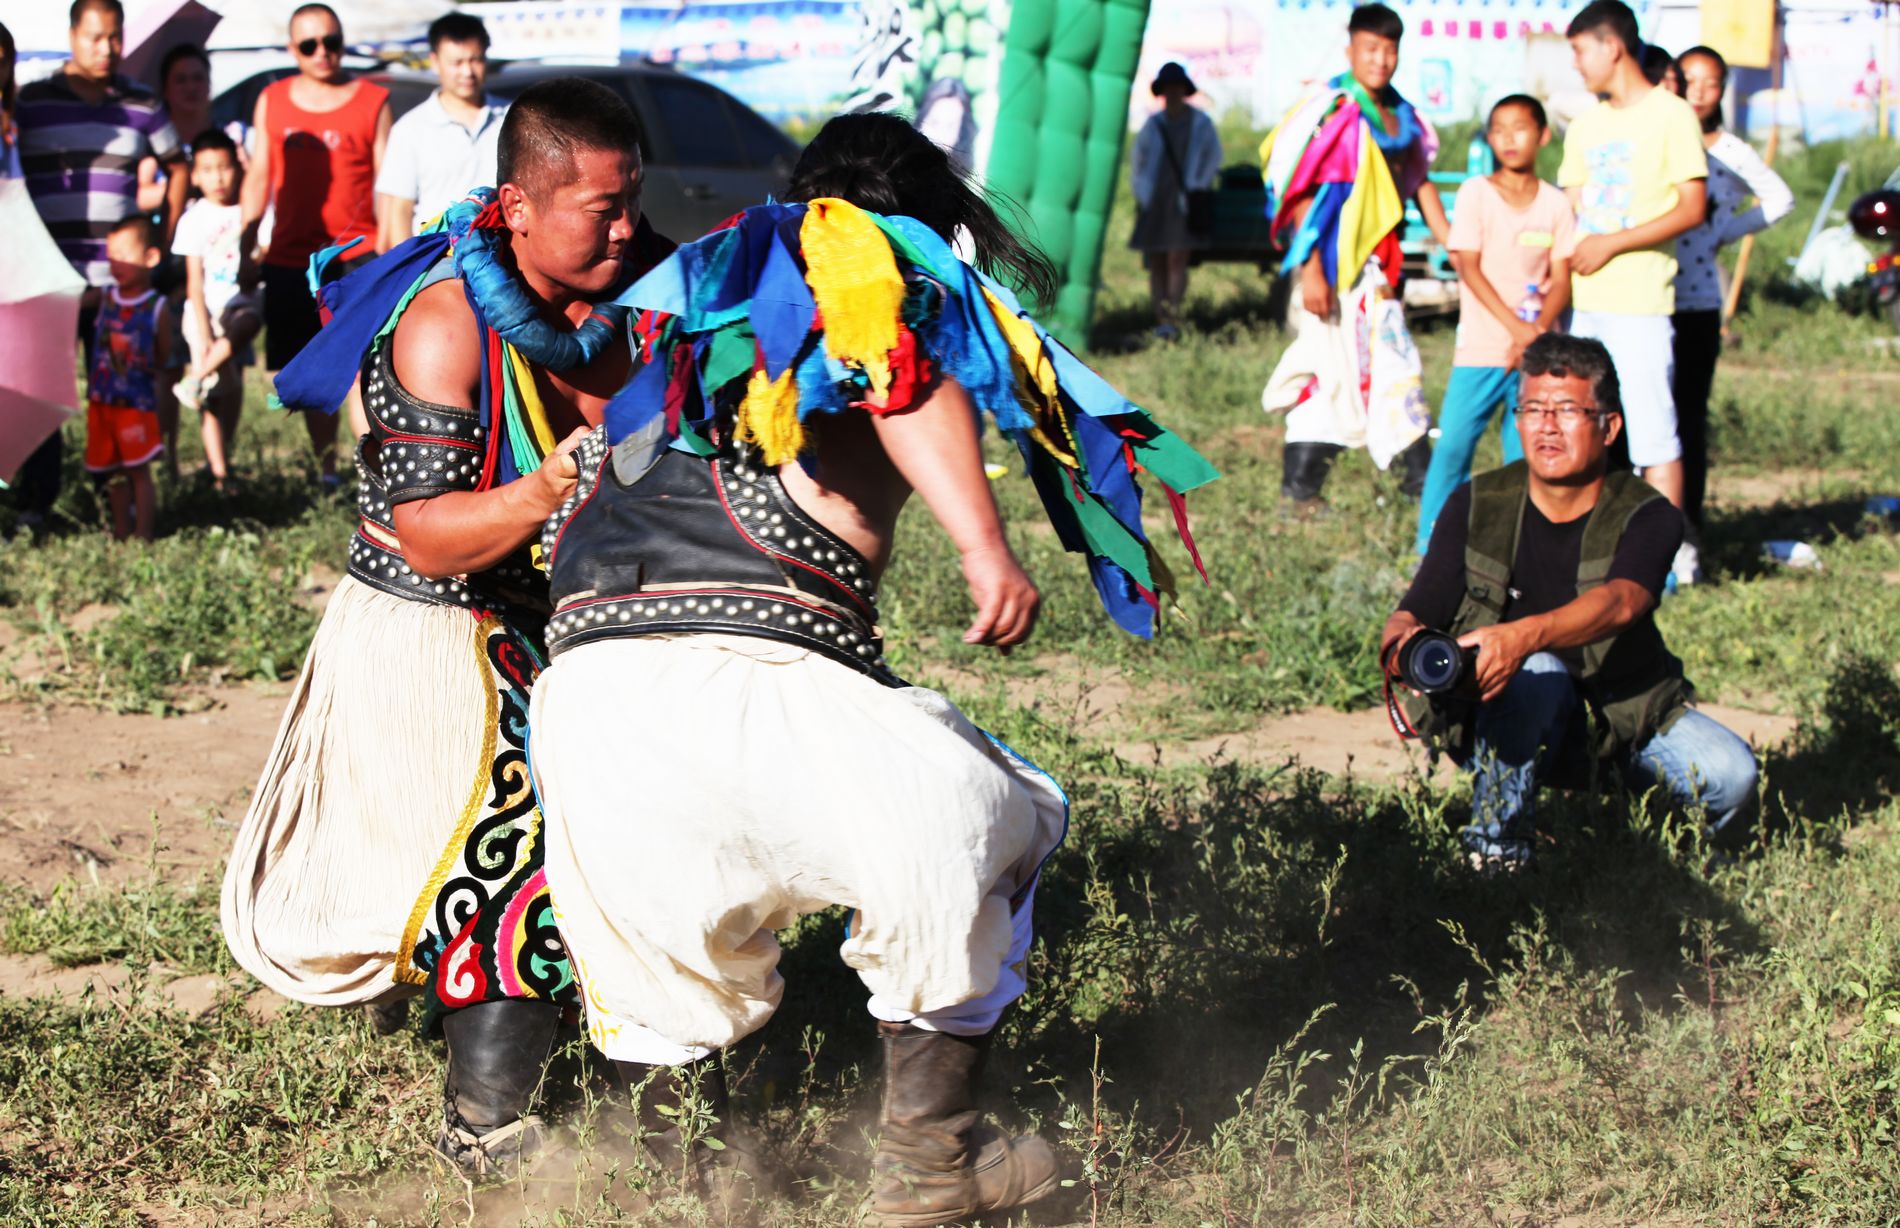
(1635, 170)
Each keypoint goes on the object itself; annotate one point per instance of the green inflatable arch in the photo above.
(1061, 120)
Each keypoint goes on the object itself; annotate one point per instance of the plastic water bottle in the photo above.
(1792, 554)
(1533, 304)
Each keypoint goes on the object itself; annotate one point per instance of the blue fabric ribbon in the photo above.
(508, 309)
(360, 305)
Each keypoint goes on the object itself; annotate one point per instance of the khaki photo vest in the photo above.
(1632, 683)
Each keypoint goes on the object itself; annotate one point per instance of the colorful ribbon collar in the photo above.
(477, 230)
(1392, 144)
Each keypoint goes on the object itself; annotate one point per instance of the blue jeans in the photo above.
(1540, 715)
(1472, 396)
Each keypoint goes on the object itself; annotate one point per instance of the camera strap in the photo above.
(1396, 713)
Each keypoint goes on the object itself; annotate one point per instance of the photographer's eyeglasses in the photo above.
(332, 43)
(1566, 413)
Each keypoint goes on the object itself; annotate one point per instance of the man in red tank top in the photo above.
(320, 143)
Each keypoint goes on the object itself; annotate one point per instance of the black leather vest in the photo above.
(697, 544)
(416, 450)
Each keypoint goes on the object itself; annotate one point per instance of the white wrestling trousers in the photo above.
(703, 791)
(1354, 381)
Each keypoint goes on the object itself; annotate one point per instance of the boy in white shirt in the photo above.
(221, 318)
(446, 145)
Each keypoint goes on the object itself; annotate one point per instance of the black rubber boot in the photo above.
(1413, 464)
(680, 1108)
(1304, 467)
(498, 1052)
(937, 1161)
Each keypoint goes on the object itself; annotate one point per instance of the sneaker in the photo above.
(1167, 332)
(190, 392)
(1687, 569)
(1501, 861)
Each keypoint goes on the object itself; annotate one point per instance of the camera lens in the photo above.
(1432, 663)
(1435, 665)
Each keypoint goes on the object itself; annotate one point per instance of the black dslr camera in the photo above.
(1434, 664)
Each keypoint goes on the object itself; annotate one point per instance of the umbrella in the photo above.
(39, 312)
(153, 28)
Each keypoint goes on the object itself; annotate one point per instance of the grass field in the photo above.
(1263, 994)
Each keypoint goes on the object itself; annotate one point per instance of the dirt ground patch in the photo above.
(29, 976)
(1361, 744)
(1781, 486)
(81, 789)
(1096, 697)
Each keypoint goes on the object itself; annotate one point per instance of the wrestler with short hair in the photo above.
(393, 841)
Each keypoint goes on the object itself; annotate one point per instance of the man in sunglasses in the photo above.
(1548, 572)
(320, 140)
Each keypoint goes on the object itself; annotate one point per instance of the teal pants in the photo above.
(1471, 398)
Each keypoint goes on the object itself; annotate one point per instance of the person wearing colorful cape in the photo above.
(719, 743)
(393, 845)
(1339, 169)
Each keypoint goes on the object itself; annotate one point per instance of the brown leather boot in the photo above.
(937, 1162)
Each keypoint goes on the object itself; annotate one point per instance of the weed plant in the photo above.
(1262, 995)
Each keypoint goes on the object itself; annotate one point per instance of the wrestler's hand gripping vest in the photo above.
(697, 544)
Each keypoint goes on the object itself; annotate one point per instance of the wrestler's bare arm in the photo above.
(438, 358)
(934, 447)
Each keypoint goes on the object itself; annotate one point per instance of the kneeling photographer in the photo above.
(1545, 576)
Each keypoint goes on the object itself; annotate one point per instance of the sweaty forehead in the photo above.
(1554, 386)
(590, 174)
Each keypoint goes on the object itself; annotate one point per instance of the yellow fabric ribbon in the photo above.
(532, 411)
(768, 417)
(1372, 210)
(1035, 378)
(859, 291)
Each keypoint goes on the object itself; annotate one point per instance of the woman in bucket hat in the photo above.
(1177, 152)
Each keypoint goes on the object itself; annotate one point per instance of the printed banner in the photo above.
(1457, 58)
(794, 61)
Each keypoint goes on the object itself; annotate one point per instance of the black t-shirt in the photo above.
(1544, 574)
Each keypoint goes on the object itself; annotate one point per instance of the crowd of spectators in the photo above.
(236, 215)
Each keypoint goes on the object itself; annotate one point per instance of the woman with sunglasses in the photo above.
(319, 145)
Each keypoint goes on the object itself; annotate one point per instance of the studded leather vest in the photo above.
(698, 544)
(416, 450)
